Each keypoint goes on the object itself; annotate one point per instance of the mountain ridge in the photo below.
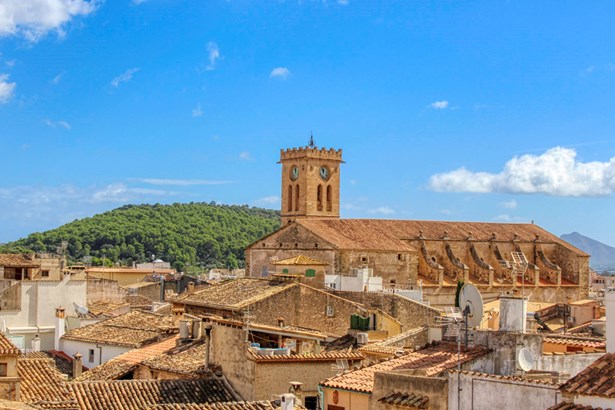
(602, 255)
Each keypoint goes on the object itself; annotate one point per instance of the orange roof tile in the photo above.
(578, 342)
(42, 385)
(7, 348)
(301, 260)
(433, 360)
(307, 357)
(17, 260)
(598, 379)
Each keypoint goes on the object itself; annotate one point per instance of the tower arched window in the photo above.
(290, 198)
(297, 197)
(319, 197)
(329, 198)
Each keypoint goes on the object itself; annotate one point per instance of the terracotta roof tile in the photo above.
(62, 361)
(7, 348)
(384, 234)
(576, 342)
(42, 385)
(301, 260)
(513, 378)
(17, 260)
(132, 329)
(572, 406)
(144, 394)
(307, 357)
(236, 405)
(598, 379)
(235, 294)
(190, 362)
(433, 360)
(410, 400)
(126, 362)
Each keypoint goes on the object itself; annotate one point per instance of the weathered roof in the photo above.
(389, 235)
(126, 362)
(127, 270)
(190, 362)
(235, 294)
(410, 400)
(433, 360)
(62, 361)
(302, 261)
(575, 341)
(132, 329)
(105, 307)
(7, 348)
(235, 405)
(307, 357)
(42, 385)
(17, 260)
(572, 406)
(598, 379)
(144, 394)
(532, 306)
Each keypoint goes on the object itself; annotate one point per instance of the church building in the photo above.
(314, 241)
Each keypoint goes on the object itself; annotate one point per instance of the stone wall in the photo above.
(228, 350)
(393, 267)
(105, 289)
(409, 313)
(567, 365)
(436, 388)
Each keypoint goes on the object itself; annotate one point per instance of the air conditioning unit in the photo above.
(287, 401)
(362, 338)
(330, 311)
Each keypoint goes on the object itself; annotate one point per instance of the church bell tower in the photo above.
(310, 182)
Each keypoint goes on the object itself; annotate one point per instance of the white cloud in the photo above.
(245, 155)
(383, 210)
(512, 204)
(268, 200)
(213, 55)
(178, 182)
(197, 111)
(280, 72)
(56, 80)
(10, 63)
(33, 19)
(137, 2)
(124, 77)
(439, 105)
(56, 124)
(343, 2)
(556, 172)
(6, 88)
(121, 193)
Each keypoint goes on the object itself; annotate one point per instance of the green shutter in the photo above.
(310, 273)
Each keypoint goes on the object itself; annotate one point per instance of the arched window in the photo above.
(319, 198)
(329, 198)
(290, 198)
(297, 197)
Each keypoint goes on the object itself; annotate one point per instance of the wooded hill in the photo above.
(195, 234)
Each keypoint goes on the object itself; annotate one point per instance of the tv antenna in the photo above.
(518, 267)
(525, 359)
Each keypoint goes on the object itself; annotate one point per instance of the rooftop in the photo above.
(236, 405)
(432, 360)
(301, 260)
(145, 394)
(307, 357)
(575, 341)
(63, 362)
(384, 234)
(411, 400)
(190, 361)
(126, 362)
(7, 348)
(132, 329)
(17, 260)
(128, 270)
(42, 385)
(598, 379)
(235, 294)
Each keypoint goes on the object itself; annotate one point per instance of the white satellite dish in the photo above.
(525, 359)
(82, 311)
(470, 298)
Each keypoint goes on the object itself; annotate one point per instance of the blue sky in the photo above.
(498, 111)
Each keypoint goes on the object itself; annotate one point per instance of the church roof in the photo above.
(301, 260)
(391, 235)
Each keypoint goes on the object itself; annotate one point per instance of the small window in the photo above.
(4, 368)
(400, 257)
(45, 273)
(364, 259)
(330, 311)
(284, 270)
(310, 273)
(91, 356)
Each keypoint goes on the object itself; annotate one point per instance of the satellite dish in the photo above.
(82, 311)
(469, 297)
(525, 359)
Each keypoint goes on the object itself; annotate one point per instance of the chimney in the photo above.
(60, 326)
(185, 333)
(36, 344)
(609, 302)
(513, 314)
(207, 332)
(281, 321)
(77, 365)
(178, 314)
(190, 289)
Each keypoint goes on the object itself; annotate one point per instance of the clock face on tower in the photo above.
(294, 172)
(324, 172)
